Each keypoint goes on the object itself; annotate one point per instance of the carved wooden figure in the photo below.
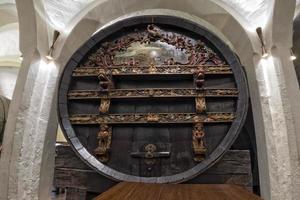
(199, 78)
(200, 104)
(104, 142)
(198, 144)
(104, 106)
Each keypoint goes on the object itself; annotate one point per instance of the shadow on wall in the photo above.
(4, 104)
(8, 79)
(296, 46)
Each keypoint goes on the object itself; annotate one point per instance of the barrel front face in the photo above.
(152, 99)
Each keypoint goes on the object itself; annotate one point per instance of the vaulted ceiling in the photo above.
(60, 13)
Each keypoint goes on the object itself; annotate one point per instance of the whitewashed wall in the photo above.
(8, 78)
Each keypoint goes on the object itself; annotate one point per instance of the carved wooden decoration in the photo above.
(149, 100)
(104, 142)
(198, 144)
(153, 69)
(155, 93)
(104, 106)
(200, 104)
(160, 118)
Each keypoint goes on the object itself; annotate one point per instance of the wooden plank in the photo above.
(237, 155)
(75, 194)
(94, 182)
(70, 171)
(88, 179)
(142, 191)
(66, 158)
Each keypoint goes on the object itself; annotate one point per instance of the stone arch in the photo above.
(8, 14)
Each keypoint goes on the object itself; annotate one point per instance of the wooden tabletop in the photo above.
(143, 191)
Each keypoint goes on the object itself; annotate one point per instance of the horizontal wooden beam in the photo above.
(152, 70)
(151, 93)
(142, 118)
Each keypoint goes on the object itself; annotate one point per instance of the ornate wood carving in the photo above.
(198, 144)
(152, 69)
(198, 53)
(198, 130)
(199, 78)
(105, 79)
(151, 92)
(104, 106)
(142, 118)
(104, 142)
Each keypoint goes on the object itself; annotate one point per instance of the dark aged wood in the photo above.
(146, 191)
(112, 111)
(72, 173)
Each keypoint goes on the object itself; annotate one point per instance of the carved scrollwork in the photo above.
(198, 52)
(152, 68)
(104, 142)
(151, 117)
(198, 144)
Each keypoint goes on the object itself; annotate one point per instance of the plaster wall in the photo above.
(8, 78)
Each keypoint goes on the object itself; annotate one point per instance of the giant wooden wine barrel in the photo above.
(152, 99)
(4, 103)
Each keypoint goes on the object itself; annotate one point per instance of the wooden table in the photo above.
(142, 191)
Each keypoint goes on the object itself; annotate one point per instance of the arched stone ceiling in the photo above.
(9, 34)
(8, 14)
(7, 1)
(60, 13)
(9, 40)
(9, 48)
(253, 12)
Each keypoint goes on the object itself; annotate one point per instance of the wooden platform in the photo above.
(81, 182)
(142, 191)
